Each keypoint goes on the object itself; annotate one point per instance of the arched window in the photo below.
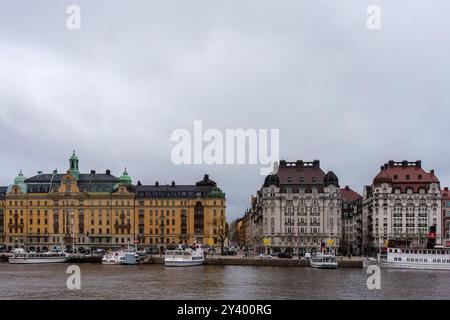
(407, 177)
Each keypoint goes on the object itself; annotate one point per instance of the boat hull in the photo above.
(36, 261)
(178, 263)
(324, 265)
(416, 266)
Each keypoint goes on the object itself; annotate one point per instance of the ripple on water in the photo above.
(216, 282)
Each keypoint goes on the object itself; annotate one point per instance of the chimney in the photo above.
(432, 171)
(404, 163)
(282, 163)
(391, 163)
(347, 188)
(419, 164)
(173, 183)
(299, 163)
(55, 171)
(316, 163)
(92, 172)
(157, 184)
(39, 172)
(446, 189)
(108, 172)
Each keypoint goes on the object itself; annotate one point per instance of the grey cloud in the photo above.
(137, 70)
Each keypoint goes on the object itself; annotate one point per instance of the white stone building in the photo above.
(298, 208)
(403, 207)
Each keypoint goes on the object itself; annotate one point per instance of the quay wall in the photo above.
(355, 262)
(347, 263)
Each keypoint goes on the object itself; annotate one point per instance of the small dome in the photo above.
(125, 178)
(331, 179)
(272, 179)
(216, 193)
(382, 177)
(19, 181)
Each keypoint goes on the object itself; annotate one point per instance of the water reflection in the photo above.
(216, 282)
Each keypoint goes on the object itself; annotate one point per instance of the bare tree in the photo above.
(222, 231)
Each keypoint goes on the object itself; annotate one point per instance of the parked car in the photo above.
(283, 255)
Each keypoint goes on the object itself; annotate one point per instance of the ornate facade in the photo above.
(298, 208)
(445, 193)
(351, 242)
(99, 210)
(403, 204)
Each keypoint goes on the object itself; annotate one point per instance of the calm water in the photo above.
(216, 282)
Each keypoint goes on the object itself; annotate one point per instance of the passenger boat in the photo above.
(119, 257)
(184, 257)
(23, 257)
(323, 261)
(427, 259)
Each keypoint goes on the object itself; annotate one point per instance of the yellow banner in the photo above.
(330, 242)
(210, 242)
(266, 241)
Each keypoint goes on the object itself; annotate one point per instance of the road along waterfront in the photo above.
(154, 281)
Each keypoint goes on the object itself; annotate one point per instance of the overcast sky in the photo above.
(137, 70)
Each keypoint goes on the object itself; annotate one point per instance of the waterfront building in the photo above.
(298, 208)
(173, 214)
(100, 210)
(2, 213)
(403, 204)
(351, 242)
(445, 194)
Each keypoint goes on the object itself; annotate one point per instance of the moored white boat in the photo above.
(426, 259)
(323, 261)
(119, 257)
(38, 258)
(184, 257)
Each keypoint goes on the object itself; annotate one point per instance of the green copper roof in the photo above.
(73, 165)
(19, 181)
(216, 193)
(74, 156)
(125, 178)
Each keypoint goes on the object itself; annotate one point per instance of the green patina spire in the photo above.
(73, 165)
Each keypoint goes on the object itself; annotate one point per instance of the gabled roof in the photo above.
(349, 195)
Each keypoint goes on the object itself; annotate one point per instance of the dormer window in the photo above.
(314, 179)
(395, 177)
(407, 177)
(289, 179)
(420, 177)
(301, 179)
